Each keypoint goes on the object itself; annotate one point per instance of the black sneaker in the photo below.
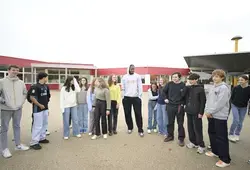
(110, 133)
(168, 139)
(36, 147)
(44, 141)
(115, 133)
(181, 143)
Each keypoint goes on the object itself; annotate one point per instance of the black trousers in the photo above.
(128, 102)
(100, 113)
(218, 136)
(112, 117)
(178, 112)
(195, 130)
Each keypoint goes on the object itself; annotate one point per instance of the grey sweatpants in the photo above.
(16, 116)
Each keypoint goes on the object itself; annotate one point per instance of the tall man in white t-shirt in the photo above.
(132, 94)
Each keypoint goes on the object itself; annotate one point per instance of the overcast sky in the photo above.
(113, 33)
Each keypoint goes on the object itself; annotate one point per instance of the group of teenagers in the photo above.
(87, 106)
(174, 99)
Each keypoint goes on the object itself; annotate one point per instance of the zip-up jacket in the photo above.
(12, 93)
(195, 100)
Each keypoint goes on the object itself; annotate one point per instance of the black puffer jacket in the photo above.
(195, 100)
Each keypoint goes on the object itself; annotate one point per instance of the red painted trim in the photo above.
(144, 70)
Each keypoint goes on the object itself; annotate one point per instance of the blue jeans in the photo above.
(83, 117)
(75, 126)
(151, 113)
(239, 114)
(162, 119)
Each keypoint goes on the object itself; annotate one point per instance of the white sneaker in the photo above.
(211, 154)
(70, 126)
(22, 147)
(105, 136)
(90, 134)
(79, 136)
(222, 164)
(232, 138)
(141, 134)
(47, 133)
(94, 137)
(200, 150)
(129, 131)
(237, 138)
(155, 130)
(149, 131)
(66, 138)
(6, 153)
(191, 145)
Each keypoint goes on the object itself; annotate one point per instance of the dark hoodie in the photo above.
(175, 93)
(195, 100)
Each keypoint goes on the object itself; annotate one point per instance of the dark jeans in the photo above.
(128, 102)
(218, 135)
(100, 113)
(195, 130)
(178, 112)
(112, 117)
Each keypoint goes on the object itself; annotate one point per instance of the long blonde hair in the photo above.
(102, 82)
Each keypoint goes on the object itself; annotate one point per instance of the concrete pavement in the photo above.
(122, 151)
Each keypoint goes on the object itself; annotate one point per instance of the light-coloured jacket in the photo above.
(13, 93)
(218, 101)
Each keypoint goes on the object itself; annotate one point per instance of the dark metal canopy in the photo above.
(231, 62)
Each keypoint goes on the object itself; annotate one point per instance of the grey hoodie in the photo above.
(218, 101)
(12, 93)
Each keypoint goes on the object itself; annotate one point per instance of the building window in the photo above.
(27, 78)
(53, 71)
(143, 79)
(62, 71)
(73, 72)
(62, 79)
(118, 79)
(53, 78)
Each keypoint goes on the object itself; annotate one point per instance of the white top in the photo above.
(132, 85)
(68, 99)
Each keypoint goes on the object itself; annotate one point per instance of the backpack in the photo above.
(29, 92)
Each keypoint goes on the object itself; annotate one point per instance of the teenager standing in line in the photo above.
(152, 108)
(39, 97)
(82, 105)
(132, 95)
(162, 116)
(216, 110)
(90, 100)
(68, 105)
(115, 97)
(195, 105)
(175, 99)
(239, 102)
(11, 104)
(102, 105)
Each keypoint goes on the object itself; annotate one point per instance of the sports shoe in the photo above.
(191, 145)
(237, 138)
(22, 147)
(79, 136)
(94, 137)
(155, 130)
(45, 141)
(36, 147)
(105, 136)
(141, 134)
(65, 138)
(211, 154)
(200, 150)
(222, 164)
(47, 133)
(149, 131)
(181, 143)
(168, 139)
(232, 138)
(90, 134)
(129, 131)
(6, 153)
